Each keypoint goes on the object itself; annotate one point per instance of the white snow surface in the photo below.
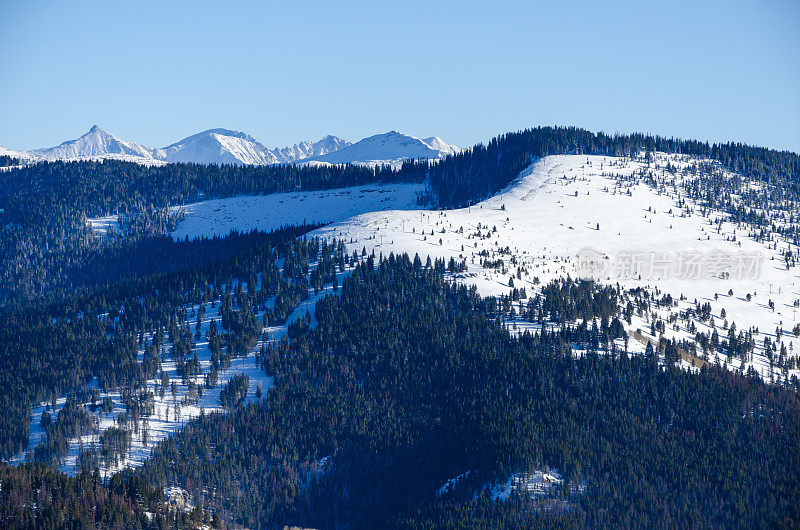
(22, 155)
(443, 147)
(299, 151)
(267, 212)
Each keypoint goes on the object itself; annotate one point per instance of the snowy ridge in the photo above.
(536, 228)
(443, 147)
(561, 210)
(22, 155)
(299, 151)
(564, 208)
(214, 146)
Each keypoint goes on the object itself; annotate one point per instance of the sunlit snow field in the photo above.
(219, 217)
(563, 205)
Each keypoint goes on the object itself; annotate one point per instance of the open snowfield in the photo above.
(267, 212)
(220, 217)
(563, 207)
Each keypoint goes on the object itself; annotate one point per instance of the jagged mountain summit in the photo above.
(96, 142)
(388, 148)
(302, 150)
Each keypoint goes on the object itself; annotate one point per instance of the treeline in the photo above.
(6, 161)
(408, 380)
(99, 188)
(36, 496)
(478, 173)
(94, 267)
(767, 214)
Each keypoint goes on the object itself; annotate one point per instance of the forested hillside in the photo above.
(405, 380)
(408, 380)
(35, 496)
(56, 348)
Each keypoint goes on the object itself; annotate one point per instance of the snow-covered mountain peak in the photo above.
(210, 133)
(96, 142)
(328, 144)
(218, 146)
(391, 147)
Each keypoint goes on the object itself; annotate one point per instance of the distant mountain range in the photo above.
(223, 146)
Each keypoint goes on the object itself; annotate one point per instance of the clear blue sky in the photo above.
(155, 72)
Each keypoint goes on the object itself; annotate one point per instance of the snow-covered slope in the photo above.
(443, 147)
(218, 146)
(560, 215)
(219, 217)
(172, 410)
(565, 209)
(534, 231)
(96, 142)
(387, 148)
(268, 212)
